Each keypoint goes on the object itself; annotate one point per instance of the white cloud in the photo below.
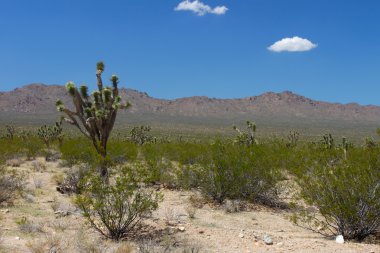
(200, 8)
(295, 44)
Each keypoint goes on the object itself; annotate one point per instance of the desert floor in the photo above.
(55, 224)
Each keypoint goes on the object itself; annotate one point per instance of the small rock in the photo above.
(241, 235)
(339, 239)
(17, 238)
(6, 211)
(280, 244)
(182, 229)
(268, 240)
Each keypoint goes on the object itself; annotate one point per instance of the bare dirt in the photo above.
(57, 226)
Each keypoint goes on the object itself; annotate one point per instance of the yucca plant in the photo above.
(94, 115)
(48, 134)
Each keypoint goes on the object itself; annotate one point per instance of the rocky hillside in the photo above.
(269, 109)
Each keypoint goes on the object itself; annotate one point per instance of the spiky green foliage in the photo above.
(140, 135)
(246, 138)
(328, 141)
(94, 117)
(49, 134)
(293, 137)
(11, 131)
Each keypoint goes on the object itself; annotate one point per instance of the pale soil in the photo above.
(211, 230)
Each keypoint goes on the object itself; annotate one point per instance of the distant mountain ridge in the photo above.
(40, 99)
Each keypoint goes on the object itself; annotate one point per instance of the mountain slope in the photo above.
(270, 109)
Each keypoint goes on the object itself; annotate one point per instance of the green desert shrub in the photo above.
(17, 147)
(79, 150)
(121, 152)
(158, 168)
(346, 193)
(238, 172)
(115, 208)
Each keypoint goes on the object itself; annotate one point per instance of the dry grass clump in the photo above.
(59, 225)
(233, 206)
(170, 216)
(191, 211)
(11, 184)
(38, 166)
(124, 248)
(197, 201)
(27, 226)
(51, 243)
(38, 183)
(84, 244)
(15, 162)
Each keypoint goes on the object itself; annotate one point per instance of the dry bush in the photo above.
(38, 183)
(11, 184)
(170, 215)
(149, 246)
(72, 179)
(29, 198)
(62, 207)
(51, 243)
(124, 248)
(38, 166)
(28, 226)
(15, 162)
(197, 201)
(84, 244)
(232, 206)
(59, 225)
(191, 211)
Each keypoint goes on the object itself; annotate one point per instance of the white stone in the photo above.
(339, 239)
(181, 229)
(241, 235)
(267, 240)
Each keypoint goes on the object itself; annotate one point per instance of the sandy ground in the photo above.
(58, 226)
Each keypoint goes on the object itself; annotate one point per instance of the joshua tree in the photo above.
(140, 135)
(95, 117)
(10, 131)
(293, 137)
(49, 134)
(248, 138)
(328, 141)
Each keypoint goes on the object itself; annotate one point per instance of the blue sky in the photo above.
(175, 53)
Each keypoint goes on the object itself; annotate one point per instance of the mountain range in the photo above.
(273, 111)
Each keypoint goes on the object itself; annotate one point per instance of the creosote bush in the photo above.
(239, 172)
(115, 208)
(78, 150)
(346, 192)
